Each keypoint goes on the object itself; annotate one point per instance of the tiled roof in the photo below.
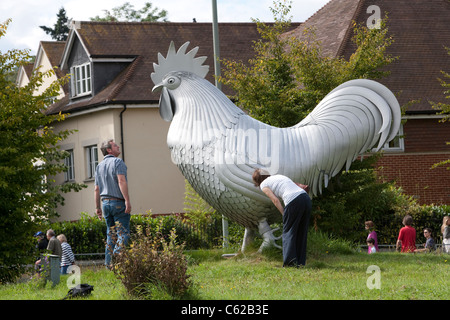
(145, 40)
(420, 29)
(54, 51)
(330, 25)
(28, 68)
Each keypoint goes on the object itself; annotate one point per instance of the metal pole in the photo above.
(216, 44)
(215, 28)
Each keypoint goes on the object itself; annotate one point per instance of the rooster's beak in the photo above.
(166, 105)
(157, 87)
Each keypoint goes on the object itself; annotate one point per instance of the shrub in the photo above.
(352, 198)
(320, 243)
(86, 235)
(153, 262)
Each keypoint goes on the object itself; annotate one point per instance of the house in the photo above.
(24, 74)
(110, 96)
(421, 31)
(47, 58)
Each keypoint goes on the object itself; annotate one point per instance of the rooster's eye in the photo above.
(172, 82)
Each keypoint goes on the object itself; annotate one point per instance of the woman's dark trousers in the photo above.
(295, 230)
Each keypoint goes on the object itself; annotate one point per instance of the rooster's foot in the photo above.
(266, 233)
(268, 237)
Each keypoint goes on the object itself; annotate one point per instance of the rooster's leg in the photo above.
(249, 236)
(267, 234)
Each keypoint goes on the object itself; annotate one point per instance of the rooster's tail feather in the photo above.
(348, 122)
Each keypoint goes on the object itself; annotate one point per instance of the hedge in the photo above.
(88, 235)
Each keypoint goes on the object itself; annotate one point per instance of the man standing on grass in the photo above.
(111, 187)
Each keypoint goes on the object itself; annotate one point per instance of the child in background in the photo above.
(67, 258)
(371, 245)
(406, 241)
(370, 226)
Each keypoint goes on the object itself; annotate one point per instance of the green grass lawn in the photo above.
(254, 276)
(330, 277)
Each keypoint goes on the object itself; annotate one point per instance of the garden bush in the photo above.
(153, 261)
(86, 235)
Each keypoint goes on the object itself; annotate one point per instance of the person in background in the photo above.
(67, 258)
(429, 244)
(371, 245)
(41, 247)
(407, 236)
(445, 229)
(54, 246)
(370, 226)
(42, 242)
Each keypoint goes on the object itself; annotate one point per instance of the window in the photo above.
(91, 161)
(397, 144)
(81, 80)
(69, 175)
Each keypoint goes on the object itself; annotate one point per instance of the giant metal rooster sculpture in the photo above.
(217, 146)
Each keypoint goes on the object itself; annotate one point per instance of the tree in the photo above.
(288, 77)
(126, 12)
(60, 29)
(28, 155)
(444, 109)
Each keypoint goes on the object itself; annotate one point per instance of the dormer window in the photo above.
(81, 80)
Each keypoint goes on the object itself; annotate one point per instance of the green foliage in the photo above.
(353, 196)
(86, 235)
(28, 154)
(444, 109)
(320, 243)
(288, 77)
(126, 12)
(153, 264)
(60, 30)
(197, 210)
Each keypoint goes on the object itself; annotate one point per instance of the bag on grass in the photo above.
(81, 290)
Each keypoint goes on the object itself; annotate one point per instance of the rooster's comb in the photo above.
(179, 61)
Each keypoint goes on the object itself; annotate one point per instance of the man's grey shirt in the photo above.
(106, 176)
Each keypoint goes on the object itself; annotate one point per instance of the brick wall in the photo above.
(426, 135)
(414, 174)
(425, 145)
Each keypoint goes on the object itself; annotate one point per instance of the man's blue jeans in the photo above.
(116, 235)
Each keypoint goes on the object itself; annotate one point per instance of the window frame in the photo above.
(91, 161)
(69, 162)
(81, 80)
(401, 142)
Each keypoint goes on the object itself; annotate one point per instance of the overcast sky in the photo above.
(27, 15)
